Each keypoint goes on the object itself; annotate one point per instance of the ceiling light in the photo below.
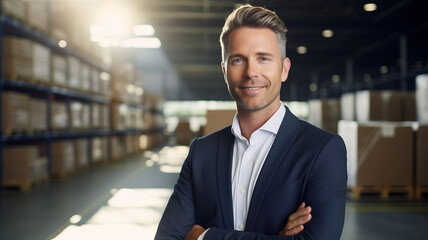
(302, 50)
(335, 78)
(62, 44)
(143, 30)
(367, 77)
(370, 7)
(383, 69)
(327, 33)
(313, 87)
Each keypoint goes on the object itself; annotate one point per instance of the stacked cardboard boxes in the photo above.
(347, 106)
(41, 57)
(85, 75)
(183, 133)
(62, 161)
(218, 119)
(421, 178)
(379, 153)
(59, 115)
(17, 58)
(38, 113)
(422, 98)
(36, 15)
(15, 111)
(59, 70)
(22, 165)
(379, 106)
(74, 78)
(99, 148)
(117, 149)
(324, 113)
(81, 153)
(14, 8)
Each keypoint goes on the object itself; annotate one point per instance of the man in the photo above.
(253, 180)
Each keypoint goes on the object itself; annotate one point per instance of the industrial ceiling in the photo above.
(379, 49)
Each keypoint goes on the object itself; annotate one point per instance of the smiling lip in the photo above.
(251, 88)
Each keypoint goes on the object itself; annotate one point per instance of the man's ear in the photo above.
(286, 65)
(223, 68)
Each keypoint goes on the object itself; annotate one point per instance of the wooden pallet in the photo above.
(381, 192)
(24, 186)
(421, 192)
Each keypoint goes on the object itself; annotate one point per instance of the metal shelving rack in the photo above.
(12, 27)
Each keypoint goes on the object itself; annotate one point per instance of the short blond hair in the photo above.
(251, 16)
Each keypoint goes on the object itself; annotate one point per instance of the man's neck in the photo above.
(250, 121)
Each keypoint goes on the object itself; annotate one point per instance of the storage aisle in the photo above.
(125, 200)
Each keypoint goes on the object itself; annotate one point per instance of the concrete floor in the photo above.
(125, 200)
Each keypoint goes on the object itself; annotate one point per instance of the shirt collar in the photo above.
(272, 125)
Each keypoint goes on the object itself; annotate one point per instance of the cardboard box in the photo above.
(41, 62)
(422, 98)
(324, 113)
(86, 115)
(76, 114)
(120, 116)
(62, 158)
(37, 15)
(218, 119)
(16, 58)
(379, 106)
(59, 70)
(422, 156)
(105, 116)
(409, 106)
(96, 115)
(85, 73)
(81, 152)
(347, 107)
(379, 153)
(183, 133)
(59, 115)
(95, 81)
(74, 78)
(117, 149)
(15, 111)
(21, 165)
(38, 114)
(15, 8)
(99, 150)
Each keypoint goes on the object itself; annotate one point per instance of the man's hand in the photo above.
(194, 233)
(296, 220)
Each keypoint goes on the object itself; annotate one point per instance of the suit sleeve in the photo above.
(325, 193)
(179, 215)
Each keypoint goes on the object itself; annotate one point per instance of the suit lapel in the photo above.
(224, 185)
(283, 141)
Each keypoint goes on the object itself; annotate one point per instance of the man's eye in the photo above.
(237, 60)
(264, 59)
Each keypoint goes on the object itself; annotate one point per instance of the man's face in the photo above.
(254, 70)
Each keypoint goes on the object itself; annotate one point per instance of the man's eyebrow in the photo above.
(236, 55)
(264, 54)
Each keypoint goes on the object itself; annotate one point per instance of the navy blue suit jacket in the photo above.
(304, 164)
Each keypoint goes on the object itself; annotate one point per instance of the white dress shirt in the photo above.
(248, 159)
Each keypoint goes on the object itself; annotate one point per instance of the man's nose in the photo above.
(252, 69)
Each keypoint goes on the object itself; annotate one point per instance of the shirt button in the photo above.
(242, 190)
(241, 227)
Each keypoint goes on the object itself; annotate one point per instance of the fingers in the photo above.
(296, 220)
(301, 211)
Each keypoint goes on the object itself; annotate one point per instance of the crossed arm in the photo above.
(294, 224)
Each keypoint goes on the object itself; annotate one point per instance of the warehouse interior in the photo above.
(100, 100)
